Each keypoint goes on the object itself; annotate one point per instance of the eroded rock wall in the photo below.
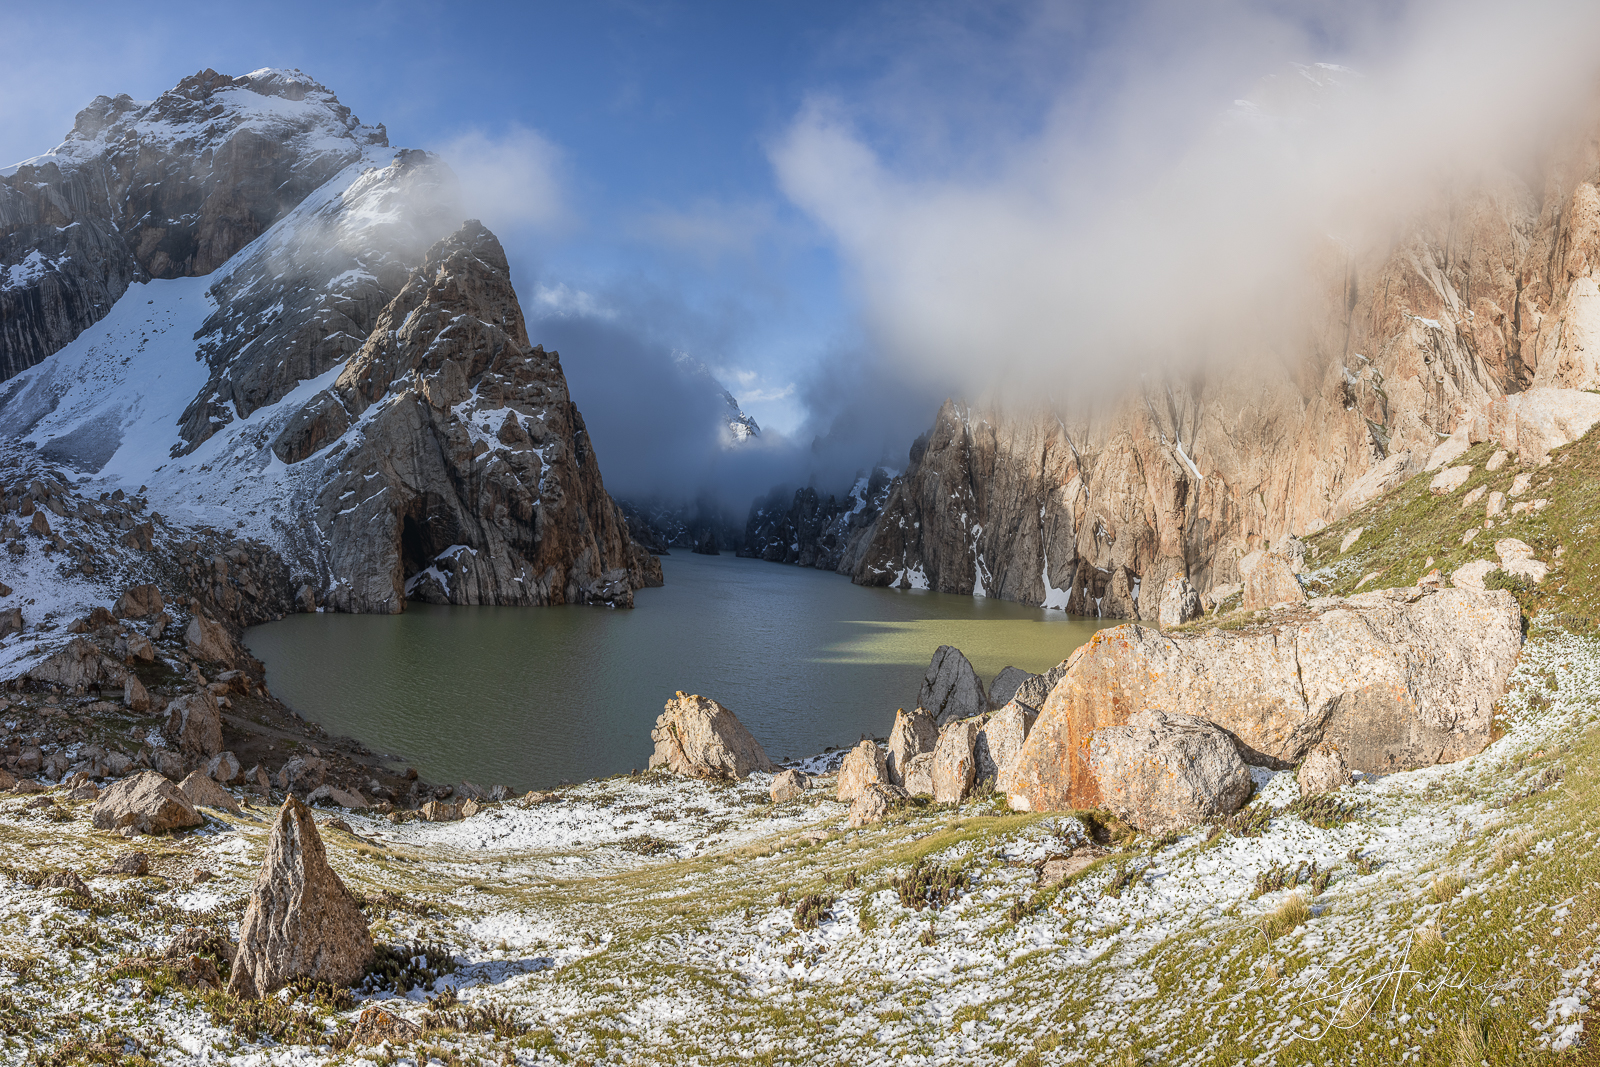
(1492, 294)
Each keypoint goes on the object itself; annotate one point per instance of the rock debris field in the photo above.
(649, 919)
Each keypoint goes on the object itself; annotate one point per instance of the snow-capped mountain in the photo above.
(167, 188)
(737, 426)
(352, 385)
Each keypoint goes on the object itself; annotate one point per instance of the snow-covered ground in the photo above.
(643, 919)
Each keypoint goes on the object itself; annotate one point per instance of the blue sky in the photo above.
(850, 211)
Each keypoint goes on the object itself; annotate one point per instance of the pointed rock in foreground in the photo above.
(301, 921)
(698, 738)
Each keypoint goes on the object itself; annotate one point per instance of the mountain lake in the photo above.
(532, 697)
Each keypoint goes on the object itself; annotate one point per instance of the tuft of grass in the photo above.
(1283, 876)
(1446, 886)
(1285, 917)
(1325, 811)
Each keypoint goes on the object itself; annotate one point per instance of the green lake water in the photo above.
(534, 696)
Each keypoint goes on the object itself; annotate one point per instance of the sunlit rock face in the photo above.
(1491, 296)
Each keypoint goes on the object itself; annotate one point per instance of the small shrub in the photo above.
(811, 910)
(930, 885)
(1282, 876)
(402, 968)
(1325, 812)
(1364, 864)
(1122, 876)
(646, 845)
(1427, 947)
(1249, 822)
(927, 937)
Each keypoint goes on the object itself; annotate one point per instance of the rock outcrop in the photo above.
(913, 733)
(147, 803)
(1000, 739)
(301, 921)
(951, 689)
(954, 768)
(1160, 772)
(1394, 678)
(1179, 603)
(438, 457)
(863, 766)
(699, 738)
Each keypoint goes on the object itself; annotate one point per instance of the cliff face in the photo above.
(353, 386)
(468, 476)
(1492, 294)
(167, 188)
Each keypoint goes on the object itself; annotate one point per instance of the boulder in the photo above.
(951, 689)
(999, 740)
(1532, 422)
(439, 811)
(146, 803)
(1322, 771)
(301, 921)
(204, 792)
(698, 738)
(1449, 450)
(1271, 582)
(1005, 685)
(134, 695)
(954, 768)
(864, 765)
(208, 641)
(919, 775)
(1161, 772)
(332, 794)
(135, 646)
(1396, 678)
(86, 791)
(136, 864)
(1179, 603)
(138, 602)
(913, 733)
(1471, 575)
(194, 724)
(10, 622)
(1449, 480)
(1516, 557)
(256, 781)
(302, 774)
(788, 785)
(8, 781)
(874, 802)
(168, 763)
(68, 880)
(1058, 869)
(224, 768)
(377, 1026)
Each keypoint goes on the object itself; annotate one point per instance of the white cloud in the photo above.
(1148, 217)
(512, 180)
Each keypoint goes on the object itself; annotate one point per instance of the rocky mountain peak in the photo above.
(167, 188)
